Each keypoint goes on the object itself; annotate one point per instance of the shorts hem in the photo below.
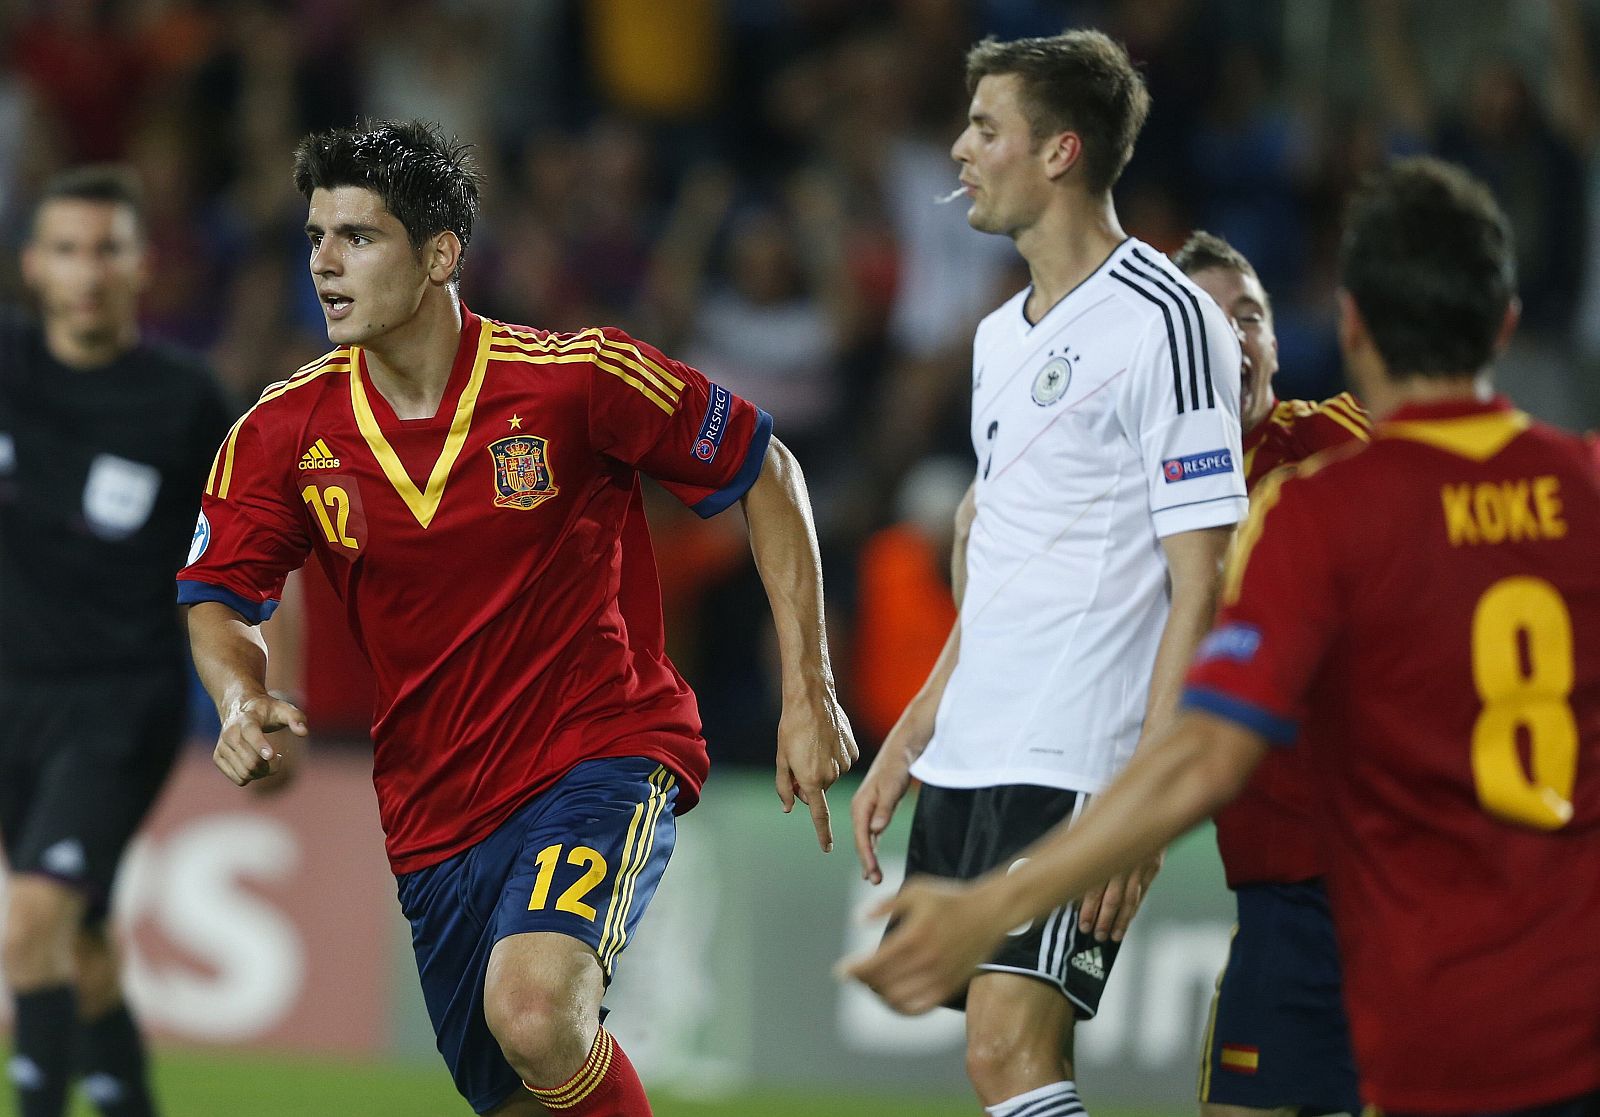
(499, 1100)
(1048, 979)
(1025, 777)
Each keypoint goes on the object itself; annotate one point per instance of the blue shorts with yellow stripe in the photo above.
(581, 859)
(1278, 1036)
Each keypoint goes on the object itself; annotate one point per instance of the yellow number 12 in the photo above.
(1536, 700)
(572, 899)
(336, 498)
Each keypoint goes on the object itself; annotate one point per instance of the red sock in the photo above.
(605, 1086)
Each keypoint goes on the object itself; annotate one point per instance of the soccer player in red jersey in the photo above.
(1427, 607)
(471, 489)
(1278, 1037)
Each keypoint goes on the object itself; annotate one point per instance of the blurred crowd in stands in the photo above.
(751, 184)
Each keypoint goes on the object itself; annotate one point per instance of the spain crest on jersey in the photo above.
(521, 472)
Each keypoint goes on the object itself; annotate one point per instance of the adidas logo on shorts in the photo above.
(319, 457)
(1090, 962)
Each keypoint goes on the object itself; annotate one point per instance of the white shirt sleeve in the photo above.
(1180, 405)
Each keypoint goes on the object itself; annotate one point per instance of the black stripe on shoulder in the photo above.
(1205, 340)
(1172, 336)
(1164, 284)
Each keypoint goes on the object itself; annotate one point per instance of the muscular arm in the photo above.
(815, 743)
(1194, 565)
(1191, 771)
(913, 731)
(230, 657)
(887, 781)
(944, 930)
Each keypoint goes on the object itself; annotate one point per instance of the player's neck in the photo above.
(1065, 246)
(85, 352)
(1382, 400)
(410, 365)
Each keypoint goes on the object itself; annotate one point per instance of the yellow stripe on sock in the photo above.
(596, 1065)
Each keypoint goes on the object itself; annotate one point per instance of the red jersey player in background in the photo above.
(1277, 1036)
(1427, 606)
(471, 489)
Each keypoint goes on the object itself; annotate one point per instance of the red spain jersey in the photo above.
(493, 561)
(1266, 834)
(1431, 603)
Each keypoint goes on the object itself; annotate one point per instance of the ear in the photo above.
(1061, 152)
(29, 261)
(1353, 334)
(147, 266)
(1508, 324)
(443, 254)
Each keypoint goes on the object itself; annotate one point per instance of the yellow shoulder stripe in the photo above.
(1262, 501)
(1342, 410)
(621, 359)
(341, 353)
(650, 392)
(218, 487)
(1475, 437)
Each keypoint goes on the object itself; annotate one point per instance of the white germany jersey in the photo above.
(1110, 424)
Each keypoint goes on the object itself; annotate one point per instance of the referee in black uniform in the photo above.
(105, 442)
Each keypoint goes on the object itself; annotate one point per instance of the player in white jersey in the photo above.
(1106, 421)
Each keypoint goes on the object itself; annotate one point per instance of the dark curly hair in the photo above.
(1429, 259)
(425, 179)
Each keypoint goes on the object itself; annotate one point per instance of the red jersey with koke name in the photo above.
(1431, 603)
(493, 561)
(1266, 835)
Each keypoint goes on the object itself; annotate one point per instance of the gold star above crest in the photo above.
(516, 422)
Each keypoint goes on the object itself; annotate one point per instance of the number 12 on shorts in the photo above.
(591, 860)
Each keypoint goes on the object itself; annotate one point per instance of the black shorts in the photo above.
(965, 832)
(81, 761)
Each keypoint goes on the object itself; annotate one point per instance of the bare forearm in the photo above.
(1167, 789)
(783, 540)
(1187, 624)
(1195, 562)
(229, 656)
(914, 729)
(966, 513)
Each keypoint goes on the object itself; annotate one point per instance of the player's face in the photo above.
(1244, 301)
(369, 278)
(86, 265)
(1002, 165)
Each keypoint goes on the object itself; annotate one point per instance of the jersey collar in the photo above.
(1471, 428)
(466, 378)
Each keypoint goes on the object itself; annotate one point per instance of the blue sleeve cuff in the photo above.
(1277, 730)
(192, 593)
(754, 455)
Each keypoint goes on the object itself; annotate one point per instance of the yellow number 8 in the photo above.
(1536, 700)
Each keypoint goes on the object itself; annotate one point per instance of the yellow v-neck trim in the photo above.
(1475, 437)
(424, 504)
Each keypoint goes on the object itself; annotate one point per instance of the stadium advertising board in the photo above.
(269, 922)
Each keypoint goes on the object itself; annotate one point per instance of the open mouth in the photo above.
(336, 306)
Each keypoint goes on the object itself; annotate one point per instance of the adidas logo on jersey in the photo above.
(1090, 962)
(319, 457)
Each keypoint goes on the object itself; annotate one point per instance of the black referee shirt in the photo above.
(101, 473)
